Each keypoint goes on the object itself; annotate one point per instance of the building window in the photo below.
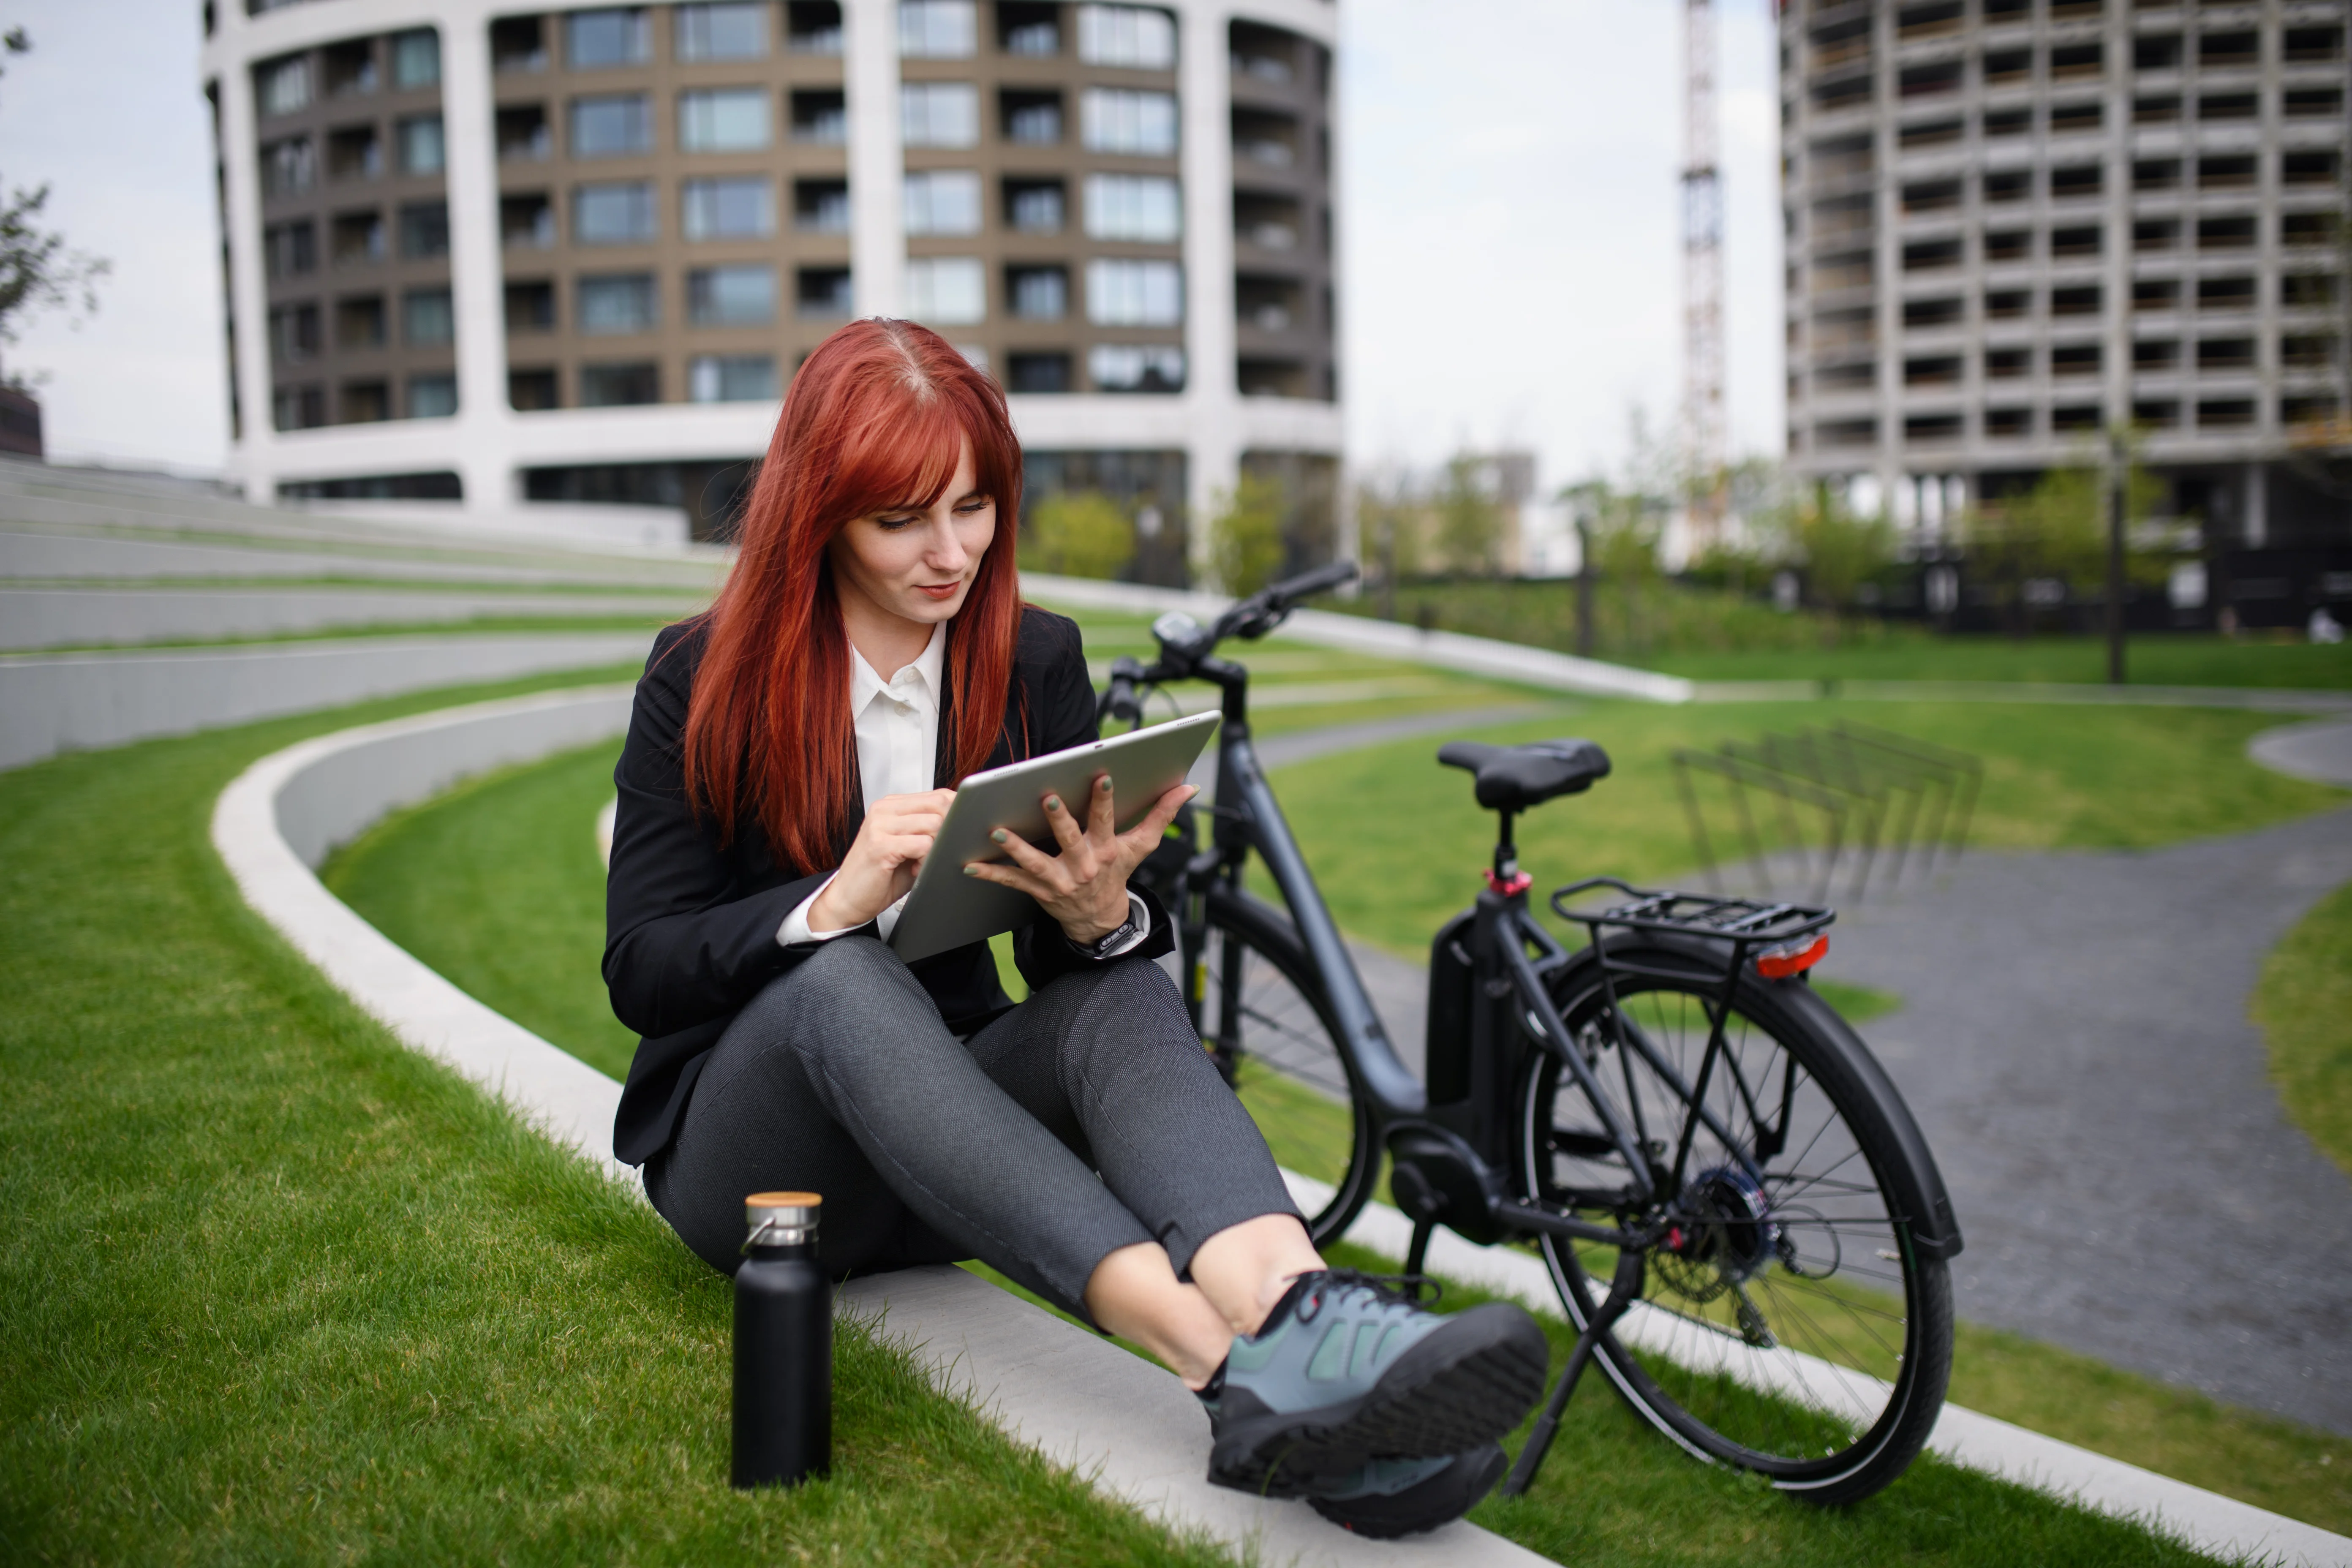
(2066, 118)
(358, 238)
(2013, 424)
(731, 378)
(821, 292)
(2162, 109)
(1131, 36)
(415, 59)
(2074, 359)
(1134, 293)
(1927, 314)
(2008, 364)
(531, 307)
(423, 230)
(733, 31)
(421, 149)
(288, 167)
(527, 222)
(1034, 206)
(2311, 102)
(2155, 294)
(359, 322)
(739, 208)
(365, 402)
(290, 250)
(948, 290)
(298, 407)
(2156, 234)
(2008, 122)
(2081, 416)
(282, 87)
(2225, 413)
(350, 68)
(2225, 51)
(294, 334)
(2225, 353)
(1132, 206)
(432, 396)
(2005, 304)
(1038, 293)
(1037, 373)
(821, 206)
(939, 114)
(355, 153)
(1031, 118)
(599, 40)
(813, 27)
(616, 304)
(2300, 291)
(619, 385)
(2315, 168)
(621, 214)
(612, 125)
(426, 319)
(522, 134)
(2225, 173)
(723, 120)
(2084, 179)
(518, 44)
(742, 295)
(943, 201)
(2157, 413)
(2156, 354)
(2075, 244)
(529, 390)
(2225, 293)
(1123, 367)
(1031, 28)
(1115, 119)
(938, 29)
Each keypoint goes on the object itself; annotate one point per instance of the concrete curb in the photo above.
(2262, 698)
(2320, 752)
(1075, 1399)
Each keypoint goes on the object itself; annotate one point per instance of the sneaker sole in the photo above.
(1439, 1500)
(1465, 1385)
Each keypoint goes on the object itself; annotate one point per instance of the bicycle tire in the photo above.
(1811, 1393)
(1284, 1059)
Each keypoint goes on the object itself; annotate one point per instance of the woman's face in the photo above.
(915, 562)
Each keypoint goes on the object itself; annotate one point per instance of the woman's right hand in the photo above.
(883, 862)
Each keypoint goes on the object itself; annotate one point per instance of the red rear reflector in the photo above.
(1779, 962)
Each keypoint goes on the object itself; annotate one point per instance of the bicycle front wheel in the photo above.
(1264, 1016)
(1787, 1324)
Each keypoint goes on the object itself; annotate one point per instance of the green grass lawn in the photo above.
(1397, 842)
(2304, 1007)
(2182, 658)
(1616, 1483)
(275, 1288)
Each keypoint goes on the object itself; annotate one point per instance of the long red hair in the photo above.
(877, 418)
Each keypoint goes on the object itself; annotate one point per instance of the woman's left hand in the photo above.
(1083, 889)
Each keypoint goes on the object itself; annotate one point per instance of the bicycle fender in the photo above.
(1919, 1186)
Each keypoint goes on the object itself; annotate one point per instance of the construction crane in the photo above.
(1702, 278)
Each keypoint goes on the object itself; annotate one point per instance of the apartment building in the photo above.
(489, 256)
(2014, 224)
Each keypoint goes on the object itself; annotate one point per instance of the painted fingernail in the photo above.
(971, 870)
(999, 836)
(1052, 803)
(1103, 784)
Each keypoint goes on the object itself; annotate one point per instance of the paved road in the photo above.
(2075, 1043)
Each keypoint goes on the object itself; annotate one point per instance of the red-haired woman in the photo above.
(792, 754)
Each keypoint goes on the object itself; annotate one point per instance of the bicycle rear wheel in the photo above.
(1787, 1323)
(1263, 1016)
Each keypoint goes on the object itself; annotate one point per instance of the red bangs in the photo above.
(877, 418)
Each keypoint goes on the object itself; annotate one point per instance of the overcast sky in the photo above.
(1511, 260)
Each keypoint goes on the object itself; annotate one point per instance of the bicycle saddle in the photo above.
(1513, 778)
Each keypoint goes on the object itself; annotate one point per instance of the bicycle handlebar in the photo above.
(1271, 606)
(1184, 644)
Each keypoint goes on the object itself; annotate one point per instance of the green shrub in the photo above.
(1245, 537)
(1081, 533)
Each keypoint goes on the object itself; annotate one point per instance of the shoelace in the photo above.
(1389, 1289)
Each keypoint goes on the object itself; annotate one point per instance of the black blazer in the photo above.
(691, 925)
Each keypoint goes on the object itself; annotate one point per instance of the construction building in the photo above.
(2014, 224)
(532, 262)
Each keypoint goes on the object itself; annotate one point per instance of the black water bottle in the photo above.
(784, 1345)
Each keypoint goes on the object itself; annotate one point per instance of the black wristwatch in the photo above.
(1107, 943)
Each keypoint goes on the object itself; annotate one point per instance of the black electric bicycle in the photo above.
(1741, 1219)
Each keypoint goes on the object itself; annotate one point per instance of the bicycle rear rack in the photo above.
(1783, 937)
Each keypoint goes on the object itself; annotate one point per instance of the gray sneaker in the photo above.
(1347, 1369)
(1389, 1498)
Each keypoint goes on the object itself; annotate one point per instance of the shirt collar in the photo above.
(927, 670)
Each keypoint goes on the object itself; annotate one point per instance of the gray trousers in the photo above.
(840, 1079)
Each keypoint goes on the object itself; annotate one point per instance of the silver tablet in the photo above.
(947, 909)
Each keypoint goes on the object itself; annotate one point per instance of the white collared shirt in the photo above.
(897, 727)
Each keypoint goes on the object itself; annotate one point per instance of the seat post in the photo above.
(1507, 853)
